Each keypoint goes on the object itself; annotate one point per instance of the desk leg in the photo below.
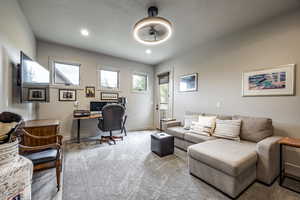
(78, 130)
(280, 165)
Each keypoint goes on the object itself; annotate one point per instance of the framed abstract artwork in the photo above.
(67, 95)
(188, 83)
(278, 81)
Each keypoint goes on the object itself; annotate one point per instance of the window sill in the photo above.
(139, 92)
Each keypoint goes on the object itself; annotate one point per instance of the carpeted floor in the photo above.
(129, 171)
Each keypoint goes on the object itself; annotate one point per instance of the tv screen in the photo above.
(32, 72)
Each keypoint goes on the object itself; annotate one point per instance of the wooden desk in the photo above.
(290, 142)
(40, 128)
(97, 116)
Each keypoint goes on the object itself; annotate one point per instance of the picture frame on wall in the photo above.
(111, 96)
(36, 94)
(67, 95)
(276, 81)
(90, 92)
(188, 83)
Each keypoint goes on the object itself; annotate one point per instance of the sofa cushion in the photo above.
(177, 131)
(255, 129)
(197, 138)
(228, 156)
(221, 117)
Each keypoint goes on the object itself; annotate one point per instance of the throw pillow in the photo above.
(188, 119)
(204, 126)
(228, 129)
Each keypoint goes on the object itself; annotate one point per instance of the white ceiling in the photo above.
(110, 22)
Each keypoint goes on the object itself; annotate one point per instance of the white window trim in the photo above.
(53, 61)
(147, 82)
(99, 78)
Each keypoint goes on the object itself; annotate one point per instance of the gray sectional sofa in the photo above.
(231, 166)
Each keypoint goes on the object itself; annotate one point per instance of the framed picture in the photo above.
(278, 81)
(67, 95)
(109, 96)
(188, 83)
(36, 94)
(90, 92)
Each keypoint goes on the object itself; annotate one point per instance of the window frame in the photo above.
(147, 82)
(111, 70)
(65, 63)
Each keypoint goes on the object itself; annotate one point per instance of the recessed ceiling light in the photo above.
(148, 51)
(84, 32)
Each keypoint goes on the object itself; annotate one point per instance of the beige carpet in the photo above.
(129, 171)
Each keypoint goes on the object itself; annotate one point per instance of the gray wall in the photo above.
(15, 36)
(220, 65)
(140, 105)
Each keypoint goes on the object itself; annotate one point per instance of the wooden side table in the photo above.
(290, 142)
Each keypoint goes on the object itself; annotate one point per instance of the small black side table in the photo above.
(162, 144)
(291, 142)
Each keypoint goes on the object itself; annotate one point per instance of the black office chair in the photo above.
(112, 119)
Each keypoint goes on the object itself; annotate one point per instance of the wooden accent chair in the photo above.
(45, 156)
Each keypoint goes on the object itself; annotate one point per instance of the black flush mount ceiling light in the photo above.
(152, 30)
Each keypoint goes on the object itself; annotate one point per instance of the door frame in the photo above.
(157, 96)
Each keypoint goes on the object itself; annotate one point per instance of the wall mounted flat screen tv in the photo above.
(32, 72)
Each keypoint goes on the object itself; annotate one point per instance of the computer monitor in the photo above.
(97, 105)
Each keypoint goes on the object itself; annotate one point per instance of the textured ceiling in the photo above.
(110, 22)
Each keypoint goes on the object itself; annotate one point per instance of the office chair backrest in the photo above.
(113, 116)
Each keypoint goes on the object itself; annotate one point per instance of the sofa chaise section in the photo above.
(228, 165)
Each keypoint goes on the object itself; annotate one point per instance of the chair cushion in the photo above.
(197, 138)
(42, 156)
(177, 131)
(255, 129)
(228, 156)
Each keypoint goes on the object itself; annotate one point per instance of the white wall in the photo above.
(220, 65)
(15, 36)
(140, 105)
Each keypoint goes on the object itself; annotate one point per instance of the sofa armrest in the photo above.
(268, 159)
(169, 124)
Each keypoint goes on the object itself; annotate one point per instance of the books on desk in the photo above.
(96, 112)
(81, 113)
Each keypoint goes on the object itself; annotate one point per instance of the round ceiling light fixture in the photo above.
(152, 30)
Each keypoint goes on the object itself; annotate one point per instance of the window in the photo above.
(67, 74)
(139, 82)
(109, 79)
